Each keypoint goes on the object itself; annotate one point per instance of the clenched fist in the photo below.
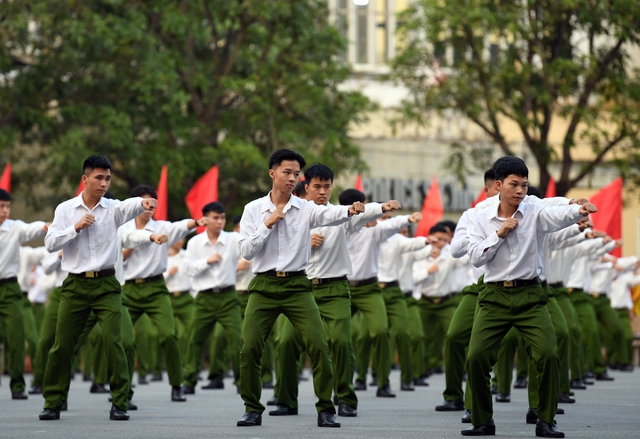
(158, 239)
(415, 217)
(356, 208)
(149, 203)
(86, 220)
(509, 225)
(390, 206)
(316, 240)
(214, 258)
(273, 219)
(588, 208)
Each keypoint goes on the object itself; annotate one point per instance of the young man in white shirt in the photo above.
(85, 229)
(507, 241)
(274, 233)
(179, 285)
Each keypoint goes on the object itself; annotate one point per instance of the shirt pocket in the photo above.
(105, 231)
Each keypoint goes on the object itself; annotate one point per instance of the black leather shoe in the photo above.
(439, 369)
(302, 377)
(565, 399)
(98, 388)
(559, 411)
(327, 419)
(544, 429)
(19, 395)
(466, 418)
(35, 390)
(626, 368)
(132, 406)
(385, 392)
(189, 390)
(117, 414)
(494, 389)
(614, 366)
(503, 398)
(142, 380)
(521, 383)
(360, 385)
(488, 429)
(604, 376)
(214, 383)
(272, 401)
(64, 407)
(267, 385)
(450, 406)
(336, 401)
(347, 411)
(589, 374)
(577, 384)
(420, 382)
(407, 387)
(283, 410)
(250, 419)
(587, 381)
(86, 378)
(49, 415)
(532, 416)
(156, 377)
(177, 395)
(374, 381)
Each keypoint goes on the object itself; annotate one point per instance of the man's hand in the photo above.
(316, 240)
(618, 243)
(415, 217)
(276, 216)
(60, 254)
(390, 206)
(356, 208)
(509, 225)
(588, 208)
(204, 221)
(149, 203)
(45, 228)
(158, 239)
(607, 239)
(85, 222)
(214, 258)
(433, 269)
(580, 201)
(173, 271)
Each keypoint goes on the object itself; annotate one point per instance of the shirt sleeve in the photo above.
(554, 218)
(557, 240)
(193, 265)
(59, 234)
(385, 229)
(482, 248)
(460, 242)
(51, 262)
(326, 215)
(411, 244)
(133, 238)
(553, 201)
(253, 234)
(371, 212)
(127, 210)
(31, 231)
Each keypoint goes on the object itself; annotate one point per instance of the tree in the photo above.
(551, 64)
(188, 83)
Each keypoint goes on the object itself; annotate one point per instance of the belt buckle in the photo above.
(353, 283)
(437, 300)
(596, 295)
(139, 280)
(382, 285)
(281, 274)
(176, 294)
(508, 283)
(570, 290)
(91, 274)
(316, 281)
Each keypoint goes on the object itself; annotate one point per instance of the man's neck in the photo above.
(141, 222)
(506, 210)
(279, 198)
(213, 236)
(90, 201)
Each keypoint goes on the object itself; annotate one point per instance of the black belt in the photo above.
(360, 283)
(327, 280)
(516, 283)
(25, 293)
(219, 290)
(440, 299)
(544, 283)
(407, 295)
(8, 280)
(179, 293)
(144, 280)
(242, 292)
(384, 285)
(93, 274)
(274, 273)
(575, 290)
(556, 285)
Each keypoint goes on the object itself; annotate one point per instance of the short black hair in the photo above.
(319, 171)
(144, 189)
(299, 190)
(95, 162)
(510, 165)
(532, 190)
(216, 207)
(285, 154)
(4, 195)
(438, 228)
(236, 219)
(489, 175)
(349, 196)
(451, 225)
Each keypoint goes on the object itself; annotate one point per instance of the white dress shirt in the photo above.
(553, 242)
(37, 292)
(52, 263)
(12, 234)
(391, 251)
(517, 256)
(219, 274)
(579, 275)
(620, 290)
(405, 275)
(601, 277)
(150, 259)
(286, 246)
(29, 256)
(244, 277)
(179, 281)
(439, 283)
(94, 248)
(331, 259)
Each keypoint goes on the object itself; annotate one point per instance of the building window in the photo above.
(361, 34)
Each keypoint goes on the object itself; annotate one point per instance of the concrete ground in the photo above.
(606, 410)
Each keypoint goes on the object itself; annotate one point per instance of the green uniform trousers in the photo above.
(79, 297)
(436, 315)
(368, 299)
(11, 313)
(499, 309)
(416, 333)
(267, 355)
(624, 356)
(575, 336)
(30, 328)
(47, 335)
(522, 359)
(590, 350)
(152, 298)
(269, 297)
(609, 325)
(182, 305)
(398, 315)
(503, 369)
(147, 345)
(38, 314)
(456, 343)
(219, 358)
(209, 309)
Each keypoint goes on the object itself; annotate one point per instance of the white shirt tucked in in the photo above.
(12, 234)
(244, 277)
(52, 263)
(390, 255)
(219, 274)
(29, 256)
(621, 290)
(179, 281)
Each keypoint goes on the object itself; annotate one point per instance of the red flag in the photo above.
(80, 188)
(481, 197)
(359, 183)
(608, 218)
(202, 193)
(551, 188)
(432, 209)
(160, 213)
(5, 180)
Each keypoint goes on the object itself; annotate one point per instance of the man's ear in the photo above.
(272, 173)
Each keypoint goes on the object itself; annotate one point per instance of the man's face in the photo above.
(218, 220)
(513, 189)
(490, 188)
(147, 214)
(285, 176)
(97, 182)
(439, 239)
(319, 191)
(5, 210)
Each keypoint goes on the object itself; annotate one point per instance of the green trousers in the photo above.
(78, 298)
(38, 314)
(30, 328)
(609, 326)
(11, 313)
(590, 352)
(575, 336)
(267, 355)
(503, 369)
(148, 349)
(624, 356)
(455, 346)
(416, 333)
(436, 318)
(219, 358)
(269, 297)
(522, 360)
(94, 359)
(182, 305)
(398, 315)
(47, 335)
(499, 309)
(152, 298)
(209, 309)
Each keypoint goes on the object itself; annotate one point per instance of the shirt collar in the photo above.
(522, 207)
(78, 201)
(223, 237)
(267, 204)
(5, 225)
